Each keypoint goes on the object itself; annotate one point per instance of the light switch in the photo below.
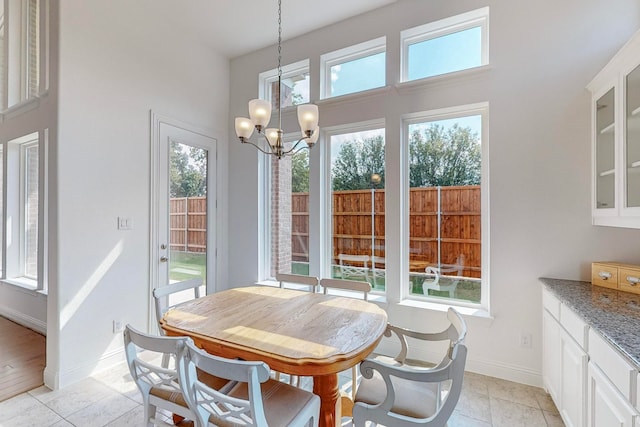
(125, 223)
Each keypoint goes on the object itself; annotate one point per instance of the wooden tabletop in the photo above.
(295, 332)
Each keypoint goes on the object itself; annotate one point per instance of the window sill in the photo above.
(22, 107)
(25, 285)
(476, 312)
(355, 97)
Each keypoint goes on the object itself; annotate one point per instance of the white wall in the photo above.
(116, 66)
(542, 56)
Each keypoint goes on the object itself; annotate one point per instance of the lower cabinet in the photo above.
(573, 373)
(595, 388)
(564, 364)
(607, 407)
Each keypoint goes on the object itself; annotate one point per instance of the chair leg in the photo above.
(354, 381)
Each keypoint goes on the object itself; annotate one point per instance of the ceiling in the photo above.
(237, 27)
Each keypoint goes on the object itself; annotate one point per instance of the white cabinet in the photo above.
(565, 361)
(616, 139)
(607, 407)
(573, 374)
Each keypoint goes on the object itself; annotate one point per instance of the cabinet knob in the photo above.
(604, 275)
(633, 280)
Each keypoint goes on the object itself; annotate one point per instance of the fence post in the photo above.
(186, 224)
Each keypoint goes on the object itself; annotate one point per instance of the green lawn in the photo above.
(187, 265)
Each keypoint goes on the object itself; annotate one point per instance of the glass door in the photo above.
(605, 151)
(632, 146)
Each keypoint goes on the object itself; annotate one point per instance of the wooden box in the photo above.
(615, 275)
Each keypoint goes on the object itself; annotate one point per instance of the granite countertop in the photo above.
(614, 314)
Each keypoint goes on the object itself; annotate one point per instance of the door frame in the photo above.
(157, 120)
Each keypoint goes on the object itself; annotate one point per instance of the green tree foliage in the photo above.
(444, 157)
(300, 172)
(356, 162)
(188, 171)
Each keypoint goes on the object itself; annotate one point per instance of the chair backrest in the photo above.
(346, 285)
(145, 374)
(310, 282)
(353, 266)
(161, 295)
(209, 403)
(396, 377)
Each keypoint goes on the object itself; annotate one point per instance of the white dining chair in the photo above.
(255, 400)
(162, 298)
(158, 384)
(401, 394)
(295, 281)
(351, 286)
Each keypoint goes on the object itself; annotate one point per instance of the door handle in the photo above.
(164, 259)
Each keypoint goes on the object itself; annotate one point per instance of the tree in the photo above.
(188, 171)
(356, 162)
(444, 157)
(300, 172)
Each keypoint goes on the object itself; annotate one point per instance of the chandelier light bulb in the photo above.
(273, 136)
(260, 112)
(244, 127)
(308, 117)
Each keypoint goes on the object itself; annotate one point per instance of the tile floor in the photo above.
(112, 399)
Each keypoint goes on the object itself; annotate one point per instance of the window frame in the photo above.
(23, 208)
(326, 214)
(348, 54)
(441, 28)
(267, 77)
(478, 109)
(13, 196)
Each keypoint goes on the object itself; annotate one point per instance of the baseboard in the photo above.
(24, 320)
(57, 380)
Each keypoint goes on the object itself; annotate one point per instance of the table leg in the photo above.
(326, 386)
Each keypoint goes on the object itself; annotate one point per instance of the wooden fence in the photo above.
(188, 224)
(443, 222)
(453, 232)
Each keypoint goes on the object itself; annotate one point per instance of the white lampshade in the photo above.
(244, 127)
(314, 137)
(272, 136)
(260, 112)
(308, 117)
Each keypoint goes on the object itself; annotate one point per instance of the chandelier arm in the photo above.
(270, 151)
(293, 148)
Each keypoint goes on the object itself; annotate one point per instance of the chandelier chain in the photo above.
(279, 68)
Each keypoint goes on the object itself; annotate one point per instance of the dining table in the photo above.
(294, 332)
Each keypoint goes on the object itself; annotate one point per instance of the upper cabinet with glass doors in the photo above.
(616, 139)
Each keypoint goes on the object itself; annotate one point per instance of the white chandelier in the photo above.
(260, 114)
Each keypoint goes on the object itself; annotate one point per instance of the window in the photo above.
(21, 29)
(445, 180)
(29, 205)
(289, 221)
(24, 196)
(354, 69)
(295, 85)
(445, 46)
(357, 173)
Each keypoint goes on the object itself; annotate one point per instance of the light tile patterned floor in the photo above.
(112, 399)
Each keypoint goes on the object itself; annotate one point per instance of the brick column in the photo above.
(280, 215)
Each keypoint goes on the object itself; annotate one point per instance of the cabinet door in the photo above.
(551, 356)
(632, 139)
(574, 375)
(605, 153)
(606, 407)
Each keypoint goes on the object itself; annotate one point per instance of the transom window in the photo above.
(452, 44)
(295, 85)
(353, 69)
